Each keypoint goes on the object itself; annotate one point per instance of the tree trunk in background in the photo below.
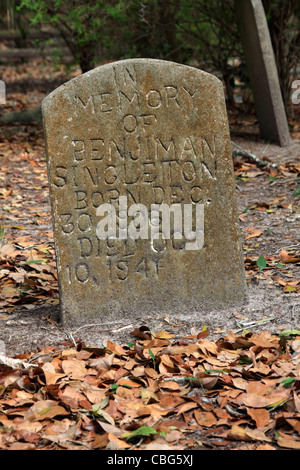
(262, 71)
(155, 34)
(166, 27)
(284, 27)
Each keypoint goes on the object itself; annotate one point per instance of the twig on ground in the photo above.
(251, 324)
(244, 153)
(122, 328)
(179, 380)
(233, 412)
(90, 325)
(282, 181)
(285, 247)
(19, 247)
(293, 313)
(15, 363)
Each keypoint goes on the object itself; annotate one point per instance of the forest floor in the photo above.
(268, 201)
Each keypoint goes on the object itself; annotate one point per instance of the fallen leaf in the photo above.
(253, 233)
(237, 433)
(263, 401)
(45, 409)
(288, 441)
(76, 369)
(205, 418)
(120, 444)
(285, 257)
(260, 416)
(73, 398)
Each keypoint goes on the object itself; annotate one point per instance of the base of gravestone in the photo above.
(133, 315)
(40, 327)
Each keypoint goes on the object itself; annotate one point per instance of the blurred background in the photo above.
(45, 42)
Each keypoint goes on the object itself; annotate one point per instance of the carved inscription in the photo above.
(141, 162)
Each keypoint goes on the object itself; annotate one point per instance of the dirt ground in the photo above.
(267, 204)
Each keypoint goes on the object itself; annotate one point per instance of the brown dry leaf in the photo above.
(143, 332)
(260, 416)
(265, 340)
(73, 398)
(253, 232)
(186, 407)
(50, 374)
(164, 335)
(45, 409)
(297, 402)
(148, 396)
(265, 447)
(261, 401)
(237, 433)
(21, 446)
(120, 444)
(285, 257)
(205, 418)
(74, 368)
(288, 441)
(60, 431)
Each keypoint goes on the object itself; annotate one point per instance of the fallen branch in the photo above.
(252, 324)
(251, 156)
(91, 325)
(15, 363)
(286, 247)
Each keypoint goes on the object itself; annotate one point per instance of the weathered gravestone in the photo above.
(125, 138)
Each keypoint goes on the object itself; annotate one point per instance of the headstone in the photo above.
(262, 71)
(143, 194)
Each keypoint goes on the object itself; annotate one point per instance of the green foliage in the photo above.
(142, 431)
(181, 30)
(86, 27)
(202, 33)
(288, 382)
(2, 231)
(261, 263)
(296, 193)
(288, 333)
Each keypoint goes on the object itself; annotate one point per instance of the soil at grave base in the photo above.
(32, 330)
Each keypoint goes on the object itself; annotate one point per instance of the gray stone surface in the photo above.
(155, 132)
(262, 71)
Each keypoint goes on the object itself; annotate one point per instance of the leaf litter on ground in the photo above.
(241, 391)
